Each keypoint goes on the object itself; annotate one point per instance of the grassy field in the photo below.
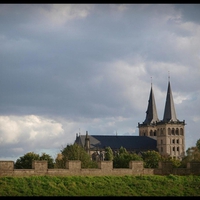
(155, 185)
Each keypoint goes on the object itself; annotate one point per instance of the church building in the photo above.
(168, 132)
(167, 136)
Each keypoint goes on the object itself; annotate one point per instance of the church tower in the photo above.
(170, 131)
(148, 127)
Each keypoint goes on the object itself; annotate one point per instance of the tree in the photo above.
(76, 152)
(108, 153)
(122, 159)
(49, 160)
(198, 144)
(175, 162)
(151, 159)
(25, 162)
(59, 163)
(123, 150)
(192, 154)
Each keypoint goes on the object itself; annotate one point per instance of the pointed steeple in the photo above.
(169, 113)
(151, 113)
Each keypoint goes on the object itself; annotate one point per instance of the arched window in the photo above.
(177, 141)
(143, 133)
(158, 131)
(161, 141)
(161, 131)
(177, 148)
(173, 149)
(151, 133)
(181, 131)
(177, 131)
(173, 141)
(154, 133)
(173, 132)
(169, 131)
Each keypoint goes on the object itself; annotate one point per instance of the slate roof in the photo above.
(151, 113)
(131, 143)
(169, 113)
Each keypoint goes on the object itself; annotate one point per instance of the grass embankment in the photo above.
(101, 186)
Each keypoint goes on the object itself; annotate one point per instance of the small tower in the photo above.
(170, 131)
(87, 143)
(148, 127)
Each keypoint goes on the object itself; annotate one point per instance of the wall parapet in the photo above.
(73, 167)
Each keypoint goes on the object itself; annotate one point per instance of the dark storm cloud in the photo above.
(90, 65)
(190, 12)
(59, 62)
(67, 64)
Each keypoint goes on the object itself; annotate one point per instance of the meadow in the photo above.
(151, 185)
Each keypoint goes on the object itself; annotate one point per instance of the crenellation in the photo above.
(105, 168)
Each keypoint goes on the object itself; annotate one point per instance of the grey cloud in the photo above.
(68, 69)
(190, 12)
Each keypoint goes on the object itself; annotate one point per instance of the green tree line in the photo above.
(120, 159)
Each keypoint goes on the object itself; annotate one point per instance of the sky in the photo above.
(72, 68)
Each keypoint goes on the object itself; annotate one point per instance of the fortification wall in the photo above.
(105, 168)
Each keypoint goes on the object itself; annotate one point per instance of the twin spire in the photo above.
(169, 112)
(151, 113)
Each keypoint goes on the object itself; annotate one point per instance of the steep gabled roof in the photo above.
(169, 112)
(151, 113)
(131, 143)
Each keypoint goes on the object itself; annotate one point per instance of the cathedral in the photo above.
(168, 132)
(167, 136)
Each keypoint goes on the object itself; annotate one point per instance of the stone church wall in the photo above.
(105, 168)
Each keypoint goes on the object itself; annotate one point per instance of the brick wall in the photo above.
(6, 165)
(73, 167)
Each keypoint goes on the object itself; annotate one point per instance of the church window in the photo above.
(181, 131)
(169, 131)
(154, 133)
(163, 131)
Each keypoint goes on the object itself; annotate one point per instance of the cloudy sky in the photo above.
(67, 69)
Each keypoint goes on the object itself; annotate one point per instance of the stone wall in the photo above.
(105, 168)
